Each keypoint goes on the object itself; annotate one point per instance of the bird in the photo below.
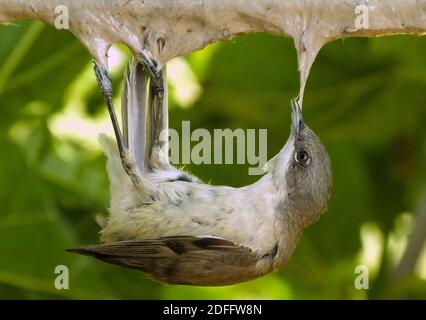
(179, 230)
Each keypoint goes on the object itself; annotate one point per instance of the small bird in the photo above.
(179, 230)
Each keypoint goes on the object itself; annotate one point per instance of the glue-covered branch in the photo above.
(167, 29)
(164, 29)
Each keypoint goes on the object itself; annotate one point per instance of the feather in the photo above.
(188, 260)
(134, 112)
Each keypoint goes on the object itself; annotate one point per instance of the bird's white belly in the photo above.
(226, 213)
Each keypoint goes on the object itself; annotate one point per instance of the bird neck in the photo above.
(294, 204)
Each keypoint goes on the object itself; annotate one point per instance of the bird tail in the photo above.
(143, 115)
(134, 113)
(144, 109)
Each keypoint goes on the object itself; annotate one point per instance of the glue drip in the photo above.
(308, 44)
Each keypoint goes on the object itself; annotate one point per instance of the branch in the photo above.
(164, 29)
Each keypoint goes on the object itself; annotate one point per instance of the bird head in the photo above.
(302, 171)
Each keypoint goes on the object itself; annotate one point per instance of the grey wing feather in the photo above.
(205, 261)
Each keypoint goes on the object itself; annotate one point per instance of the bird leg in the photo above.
(157, 119)
(105, 83)
(158, 113)
(158, 109)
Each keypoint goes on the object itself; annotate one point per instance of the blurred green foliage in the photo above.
(365, 98)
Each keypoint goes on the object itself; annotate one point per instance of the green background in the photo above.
(365, 98)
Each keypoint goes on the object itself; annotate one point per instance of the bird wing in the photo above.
(208, 261)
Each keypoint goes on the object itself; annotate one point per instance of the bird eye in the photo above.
(303, 158)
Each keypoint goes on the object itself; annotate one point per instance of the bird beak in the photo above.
(296, 117)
